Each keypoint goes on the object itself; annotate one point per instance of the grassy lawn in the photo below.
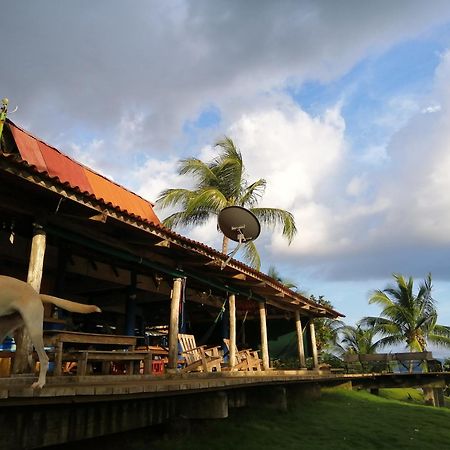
(409, 395)
(339, 420)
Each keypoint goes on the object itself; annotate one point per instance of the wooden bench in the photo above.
(383, 360)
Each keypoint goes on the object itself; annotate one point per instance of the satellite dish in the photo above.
(239, 225)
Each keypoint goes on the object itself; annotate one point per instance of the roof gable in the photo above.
(56, 164)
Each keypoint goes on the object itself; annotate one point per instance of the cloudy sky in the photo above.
(343, 107)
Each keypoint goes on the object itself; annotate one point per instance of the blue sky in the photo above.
(343, 107)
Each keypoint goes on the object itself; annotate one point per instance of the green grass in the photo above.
(339, 420)
(409, 395)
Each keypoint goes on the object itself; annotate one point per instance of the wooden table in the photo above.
(85, 358)
(58, 338)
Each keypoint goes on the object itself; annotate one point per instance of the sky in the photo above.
(343, 107)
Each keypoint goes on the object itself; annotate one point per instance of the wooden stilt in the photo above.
(232, 349)
(312, 331)
(173, 325)
(301, 348)
(264, 344)
(24, 347)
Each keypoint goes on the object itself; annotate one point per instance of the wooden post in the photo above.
(264, 345)
(232, 349)
(312, 331)
(131, 306)
(24, 346)
(173, 325)
(301, 348)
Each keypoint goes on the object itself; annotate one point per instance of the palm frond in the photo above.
(207, 199)
(181, 219)
(174, 197)
(201, 172)
(379, 297)
(274, 216)
(251, 255)
(253, 193)
(229, 168)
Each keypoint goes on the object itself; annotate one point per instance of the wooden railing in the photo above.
(376, 362)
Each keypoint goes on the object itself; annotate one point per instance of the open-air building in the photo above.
(75, 234)
(72, 233)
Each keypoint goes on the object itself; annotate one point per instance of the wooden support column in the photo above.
(24, 346)
(312, 331)
(301, 348)
(232, 311)
(173, 325)
(264, 344)
(131, 306)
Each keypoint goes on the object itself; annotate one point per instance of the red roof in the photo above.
(49, 160)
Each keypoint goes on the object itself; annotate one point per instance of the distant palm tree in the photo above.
(408, 317)
(326, 329)
(221, 183)
(357, 340)
(273, 273)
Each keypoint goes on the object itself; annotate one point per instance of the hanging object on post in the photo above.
(239, 225)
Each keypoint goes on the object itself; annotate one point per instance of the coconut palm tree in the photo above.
(221, 183)
(408, 317)
(273, 273)
(357, 340)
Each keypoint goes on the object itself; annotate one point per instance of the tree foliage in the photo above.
(407, 317)
(220, 183)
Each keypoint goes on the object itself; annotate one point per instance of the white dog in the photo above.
(20, 304)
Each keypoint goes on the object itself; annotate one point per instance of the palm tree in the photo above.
(358, 339)
(273, 273)
(408, 317)
(221, 183)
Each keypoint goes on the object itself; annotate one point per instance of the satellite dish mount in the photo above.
(239, 225)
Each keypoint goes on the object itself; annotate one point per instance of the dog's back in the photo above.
(13, 294)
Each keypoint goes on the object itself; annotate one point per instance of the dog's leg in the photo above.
(8, 324)
(33, 316)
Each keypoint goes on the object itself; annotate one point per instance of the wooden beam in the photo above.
(165, 243)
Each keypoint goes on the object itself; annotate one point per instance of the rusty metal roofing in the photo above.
(49, 160)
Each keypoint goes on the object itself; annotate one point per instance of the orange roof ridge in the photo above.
(10, 122)
(55, 163)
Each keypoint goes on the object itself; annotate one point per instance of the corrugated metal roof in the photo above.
(56, 164)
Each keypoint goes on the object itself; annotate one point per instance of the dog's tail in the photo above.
(68, 305)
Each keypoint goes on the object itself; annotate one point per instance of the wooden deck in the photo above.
(80, 407)
(61, 389)
(17, 390)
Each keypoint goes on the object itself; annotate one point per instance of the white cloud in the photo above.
(293, 151)
(357, 185)
(431, 109)
(159, 63)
